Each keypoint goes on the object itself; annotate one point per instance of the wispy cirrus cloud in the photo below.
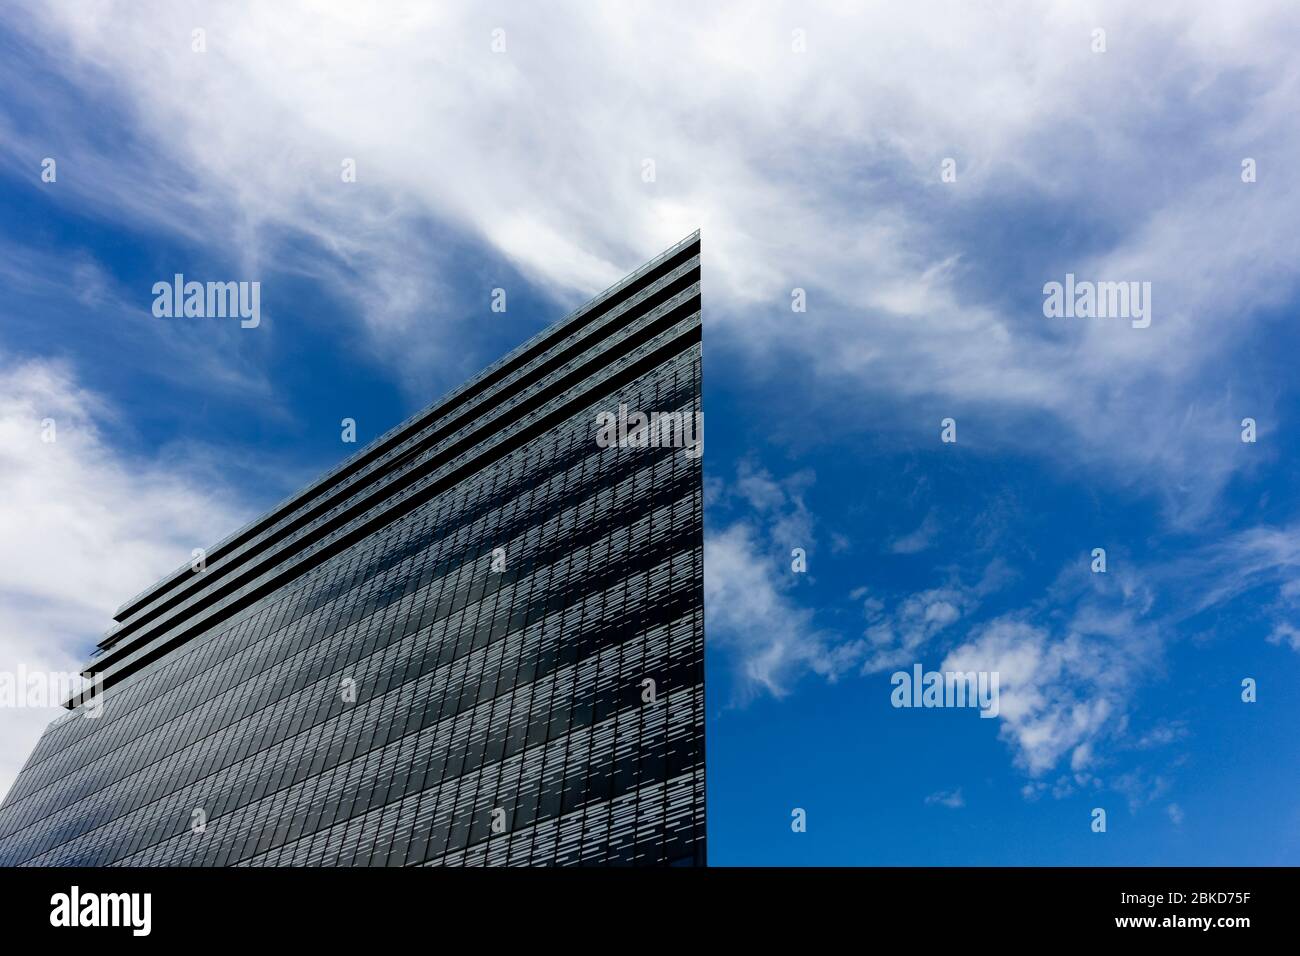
(83, 527)
(918, 540)
(1072, 663)
(750, 582)
(817, 169)
(952, 799)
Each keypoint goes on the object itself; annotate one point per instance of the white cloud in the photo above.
(749, 587)
(1284, 633)
(1140, 787)
(1255, 562)
(952, 799)
(750, 611)
(1070, 664)
(1162, 735)
(818, 170)
(82, 528)
(918, 540)
(903, 636)
(79, 296)
(1060, 695)
(1261, 554)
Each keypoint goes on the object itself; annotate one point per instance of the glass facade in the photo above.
(477, 641)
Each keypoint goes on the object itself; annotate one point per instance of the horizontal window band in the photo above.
(112, 674)
(184, 587)
(208, 579)
(604, 304)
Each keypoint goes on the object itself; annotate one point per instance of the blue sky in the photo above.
(818, 170)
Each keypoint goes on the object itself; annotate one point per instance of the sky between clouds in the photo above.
(817, 170)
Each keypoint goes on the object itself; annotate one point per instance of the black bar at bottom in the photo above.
(581, 908)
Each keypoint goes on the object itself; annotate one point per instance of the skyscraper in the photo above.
(479, 640)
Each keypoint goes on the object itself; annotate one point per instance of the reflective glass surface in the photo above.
(479, 641)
